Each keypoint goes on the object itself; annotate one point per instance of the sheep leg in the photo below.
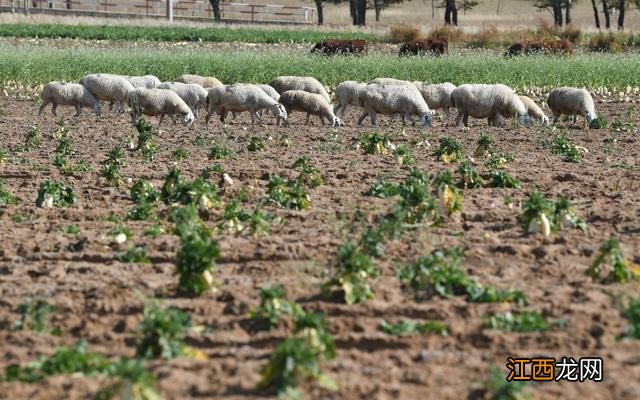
(321, 119)
(336, 108)
(372, 115)
(44, 104)
(362, 117)
(556, 117)
(465, 120)
(207, 118)
(307, 120)
(459, 118)
(53, 109)
(161, 118)
(78, 110)
(447, 113)
(257, 114)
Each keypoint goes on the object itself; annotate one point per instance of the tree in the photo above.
(567, 11)
(605, 10)
(358, 10)
(451, 13)
(595, 13)
(215, 5)
(555, 6)
(621, 7)
(379, 5)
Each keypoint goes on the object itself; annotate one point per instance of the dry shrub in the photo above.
(447, 33)
(608, 42)
(488, 37)
(403, 32)
(549, 32)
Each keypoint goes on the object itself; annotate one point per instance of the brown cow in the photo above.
(331, 47)
(560, 46)
(437, 47)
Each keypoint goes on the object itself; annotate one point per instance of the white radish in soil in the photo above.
(120, 238)
(540, 225)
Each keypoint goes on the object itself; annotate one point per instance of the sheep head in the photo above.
(426, 120)
(188, 119)
(280, 111)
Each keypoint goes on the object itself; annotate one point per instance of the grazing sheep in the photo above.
(311, 103)
(347, 92)
(159, 102)
(572, 101)
(437, 95)
(67, 94)
(389, 82)
(560, 46)
(108, 87)
(487, 101)
(204, 81)
(336, 46)
(147, 81)
(309, 84)
(534, 111)
(193, 94)
(394, 99)
(239, 98)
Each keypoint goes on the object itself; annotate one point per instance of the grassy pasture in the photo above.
(33, 65)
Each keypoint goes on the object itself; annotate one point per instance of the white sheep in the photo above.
(311, 103)
(388, 82)
(307, 83)
(534, 111)
(347, 92)
(204, 81)
(394, 99)
(159, 102)
(146, 81)
(437, 96)
(67, 94)
(487, 101)
(572, 101)
(239, 98)
(193, 94)
(108, 87)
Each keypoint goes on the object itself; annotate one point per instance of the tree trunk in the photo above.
(557, 13)
(567, 11)
(353, 12)
(215, 5)
(451, 13)
(605, 10)
(596, 16)
(621, 8)
(319, 9)
(362, 12)
(377, 6)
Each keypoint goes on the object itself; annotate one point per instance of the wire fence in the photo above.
(186, 9)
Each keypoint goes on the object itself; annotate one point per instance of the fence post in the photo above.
(170, 10)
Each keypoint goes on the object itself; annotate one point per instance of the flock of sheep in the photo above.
(190, 93)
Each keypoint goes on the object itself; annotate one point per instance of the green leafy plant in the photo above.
(497, 160)
(296, 360)
(115, 156)
(180, 153)
(449, 195)
(259, 222)
(501, 389)
(72, 229)
(354, 269)
(403, 155)
(536, 211)
(310, 177)
(34, 316)
(133, 382)
(408, 327)
(564, 216)
(196, 257)
(502, 179)
(161, 332)
(599, 123)
(142, 211)
(374, 143)
(6, 198)
(563, 147)
(469, 178)
(217, 152)
(143, 191)
(255, 144)
(135, 255)
(111, 173)
(273, 306)
(177, 190)
(54, 193)
(416, 202)
(449, 150)
(632, 313)
(146, 146)
(33, 138)
(524, 321)
(154, 231)
(381, 187)
(620, 270)
(65, 360)
(233, 217)
(483, 148)
(287, 193)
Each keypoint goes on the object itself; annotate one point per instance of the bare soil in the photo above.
(100, 300)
